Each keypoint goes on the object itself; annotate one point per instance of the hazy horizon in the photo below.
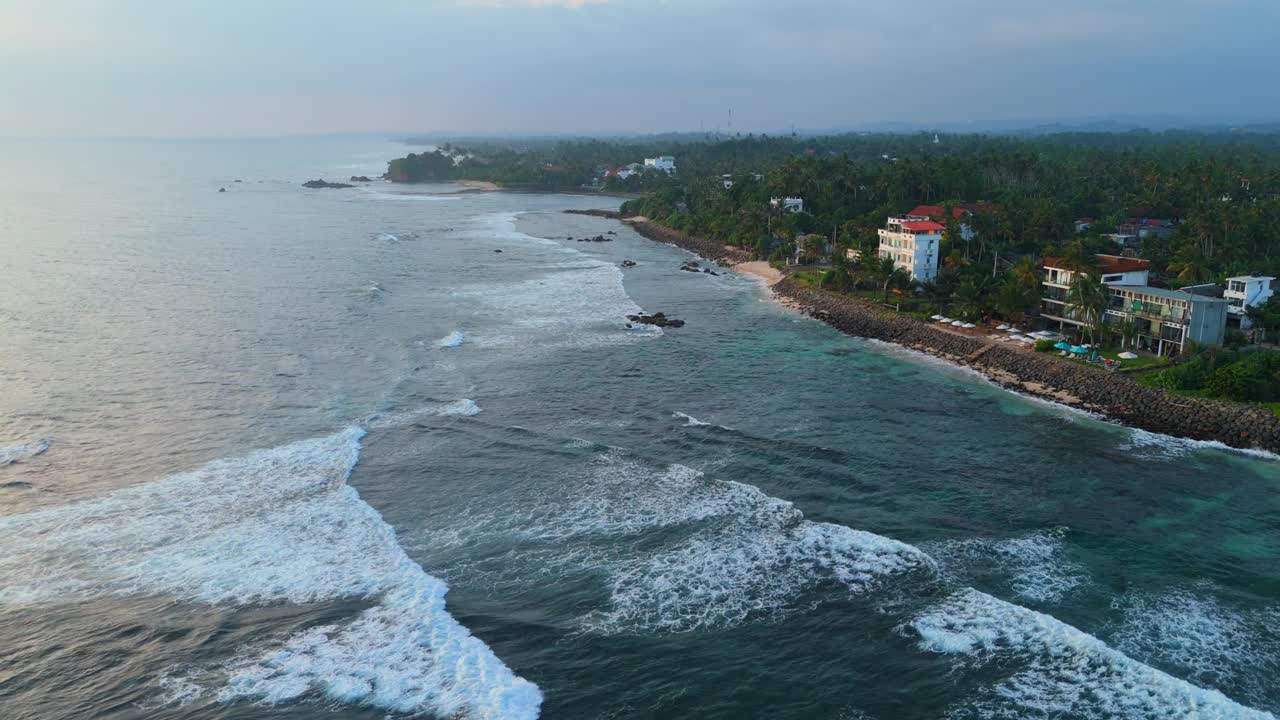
(143, 68)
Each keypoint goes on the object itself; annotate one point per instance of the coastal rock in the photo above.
(628, 263)
(658, 319)
(359, 178)
(314, 184)
(597, 238)
(497, 251)
(222, 189)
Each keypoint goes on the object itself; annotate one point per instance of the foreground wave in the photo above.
(1060, 671)
(276, 525)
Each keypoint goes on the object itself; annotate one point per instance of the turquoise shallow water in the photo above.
(250, 437)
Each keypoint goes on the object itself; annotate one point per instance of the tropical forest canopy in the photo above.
(1224, 187)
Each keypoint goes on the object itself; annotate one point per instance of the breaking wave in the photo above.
(690, 421)
(459, 408)
(1166, 447)
(1036, 564)
(15, 453)
(276, 525)
(452, 340)
(1055, 669)
(735, 554)
(1189, 630)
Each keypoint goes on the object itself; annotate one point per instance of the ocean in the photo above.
(286, 453)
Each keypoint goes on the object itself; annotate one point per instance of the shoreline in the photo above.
(1113, 397)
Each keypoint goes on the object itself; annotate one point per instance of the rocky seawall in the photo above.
(1112, 395)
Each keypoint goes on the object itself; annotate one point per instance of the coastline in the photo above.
(1104, 393)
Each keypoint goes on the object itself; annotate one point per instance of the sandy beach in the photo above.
(479, 184)
(761, 269)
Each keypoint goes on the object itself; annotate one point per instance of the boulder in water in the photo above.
(314, 184)
(658, 319)
(359, 178)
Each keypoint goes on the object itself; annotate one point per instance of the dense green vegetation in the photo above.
(1223, 188)
(1248, 374)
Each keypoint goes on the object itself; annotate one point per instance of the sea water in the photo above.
(277, 452)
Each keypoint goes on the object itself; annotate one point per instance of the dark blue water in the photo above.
(250, 438)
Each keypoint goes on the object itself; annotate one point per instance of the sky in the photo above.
(150, 68)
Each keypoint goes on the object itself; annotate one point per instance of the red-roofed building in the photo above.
(912, 242)
(937, 211)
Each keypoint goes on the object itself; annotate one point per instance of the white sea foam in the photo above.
(744, 555)
(15, 453)
(459, 408)
(1167, 447)
(1059, 671)
(1191, 630)
(452, 340)
(1036, 564)
(690, 421)
(277, 525)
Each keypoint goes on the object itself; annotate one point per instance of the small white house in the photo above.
(665, 163)
(787, 205)
(1244, 292)
(727, 180)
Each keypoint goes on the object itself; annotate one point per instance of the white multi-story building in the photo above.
(665, 163)
(912, 242)
(787, 205)
(1244, 292)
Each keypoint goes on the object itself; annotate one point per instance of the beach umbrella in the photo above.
(957, 323)
(935, 317)
(969, 325)
(1062, 345)
(1079, 350)
(1003, 327)
(1126, 355)
(1013, 330)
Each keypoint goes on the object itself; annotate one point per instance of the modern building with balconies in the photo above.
(1164, 321)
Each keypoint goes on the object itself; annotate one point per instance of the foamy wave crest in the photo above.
(1191, 631)
(1058, 671)
(581, 303)
(1167, 447)
(14, 453)
(1036, 564)
(277, 525)
(452, 340)
(744, 555)
(690, 421)
(459, 408)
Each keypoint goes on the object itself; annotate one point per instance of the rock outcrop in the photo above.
(658, 319)
(315, 184)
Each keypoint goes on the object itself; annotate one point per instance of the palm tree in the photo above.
(1191, 267)
(899, 279)
(1026, 272)
(1012, 300)
(1087, 298)
(1076, 259)
(883, 271)
(971, 296)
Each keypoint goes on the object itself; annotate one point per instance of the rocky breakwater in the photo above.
(1110, 394)
(708, 248)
